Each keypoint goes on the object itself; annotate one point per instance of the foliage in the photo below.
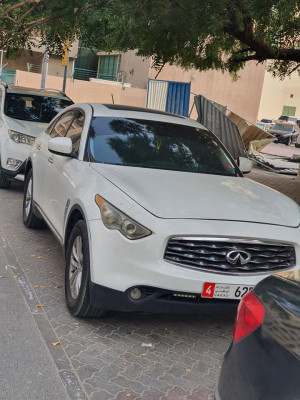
(203, 34)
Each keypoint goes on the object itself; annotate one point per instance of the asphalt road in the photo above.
(123, 356)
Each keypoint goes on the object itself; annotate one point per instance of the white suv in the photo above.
(24, 113)
(153, 213)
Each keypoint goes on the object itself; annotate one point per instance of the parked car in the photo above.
(268, 122)
(265, 123)
(153, 213)
(262, 125)
(289, 118)
(297, 144)
(263, 361)
(285, 132)
(24, 113)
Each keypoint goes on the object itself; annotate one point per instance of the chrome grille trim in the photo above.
(209, 254)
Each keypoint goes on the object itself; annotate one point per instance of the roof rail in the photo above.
(52, 90)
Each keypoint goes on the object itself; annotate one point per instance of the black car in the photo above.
(263, 361)
(285, 132)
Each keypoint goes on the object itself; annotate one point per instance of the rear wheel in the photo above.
(77, 274)
(29, 219)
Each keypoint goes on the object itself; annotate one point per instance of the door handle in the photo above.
(50, 159)
(38, 146)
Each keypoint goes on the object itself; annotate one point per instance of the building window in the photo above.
(289, 110)
(109, 67)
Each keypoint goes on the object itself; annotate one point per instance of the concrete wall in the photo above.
(136, 69)
(55, 68)
(54, 65)
(82, 91)
(241, 96)
(277, 93)
(21, 63)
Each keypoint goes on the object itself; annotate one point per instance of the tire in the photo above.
(4, 182)
(289, 141)
(77, 274)
(30, 220)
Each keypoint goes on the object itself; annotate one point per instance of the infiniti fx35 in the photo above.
(153, 213)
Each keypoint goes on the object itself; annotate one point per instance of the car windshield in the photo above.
(155, 144)
(28, 107)
(282, 127)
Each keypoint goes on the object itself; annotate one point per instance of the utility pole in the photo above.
(1, 62)
(45, 67)
(64, 62)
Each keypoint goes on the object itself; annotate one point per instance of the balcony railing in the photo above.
(84, 74)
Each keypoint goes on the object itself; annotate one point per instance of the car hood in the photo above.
(173, 194)
(279, 132)
(26, 127)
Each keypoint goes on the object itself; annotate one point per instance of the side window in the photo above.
(75, 130)
(61, 126)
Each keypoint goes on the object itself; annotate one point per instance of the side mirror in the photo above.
(61, 146)
(245, 165)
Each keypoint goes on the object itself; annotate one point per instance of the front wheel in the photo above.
(77, 274)
(289, 141)
(30, 220)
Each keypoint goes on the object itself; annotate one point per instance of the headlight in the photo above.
(21, 138)
(113, 218)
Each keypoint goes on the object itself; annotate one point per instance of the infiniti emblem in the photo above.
(238, 257)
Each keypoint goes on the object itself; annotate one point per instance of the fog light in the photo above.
(135, 293)
(13, 163)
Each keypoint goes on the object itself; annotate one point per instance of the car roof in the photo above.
(124, 111)
(279, 122)
(37, 92)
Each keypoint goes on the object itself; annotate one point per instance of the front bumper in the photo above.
(156, 300)
(10, 174)
(17, 151)
(120, 264)
(282, 138)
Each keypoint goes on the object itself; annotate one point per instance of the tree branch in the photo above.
(34, 24)
(23, 3)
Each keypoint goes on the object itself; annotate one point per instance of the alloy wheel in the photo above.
(28, 198)
(76, 266)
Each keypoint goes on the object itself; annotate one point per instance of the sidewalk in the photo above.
(27, 369)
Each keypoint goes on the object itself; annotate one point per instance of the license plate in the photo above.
(225, 291)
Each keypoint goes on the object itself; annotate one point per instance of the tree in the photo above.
(201, 34)
(25, 24)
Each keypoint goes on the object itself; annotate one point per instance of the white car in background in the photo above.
(24, 113)
(153, 213)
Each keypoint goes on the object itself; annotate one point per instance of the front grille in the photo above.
(212, 255)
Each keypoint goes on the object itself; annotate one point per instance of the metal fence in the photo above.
(84, 74)
(213, 118)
